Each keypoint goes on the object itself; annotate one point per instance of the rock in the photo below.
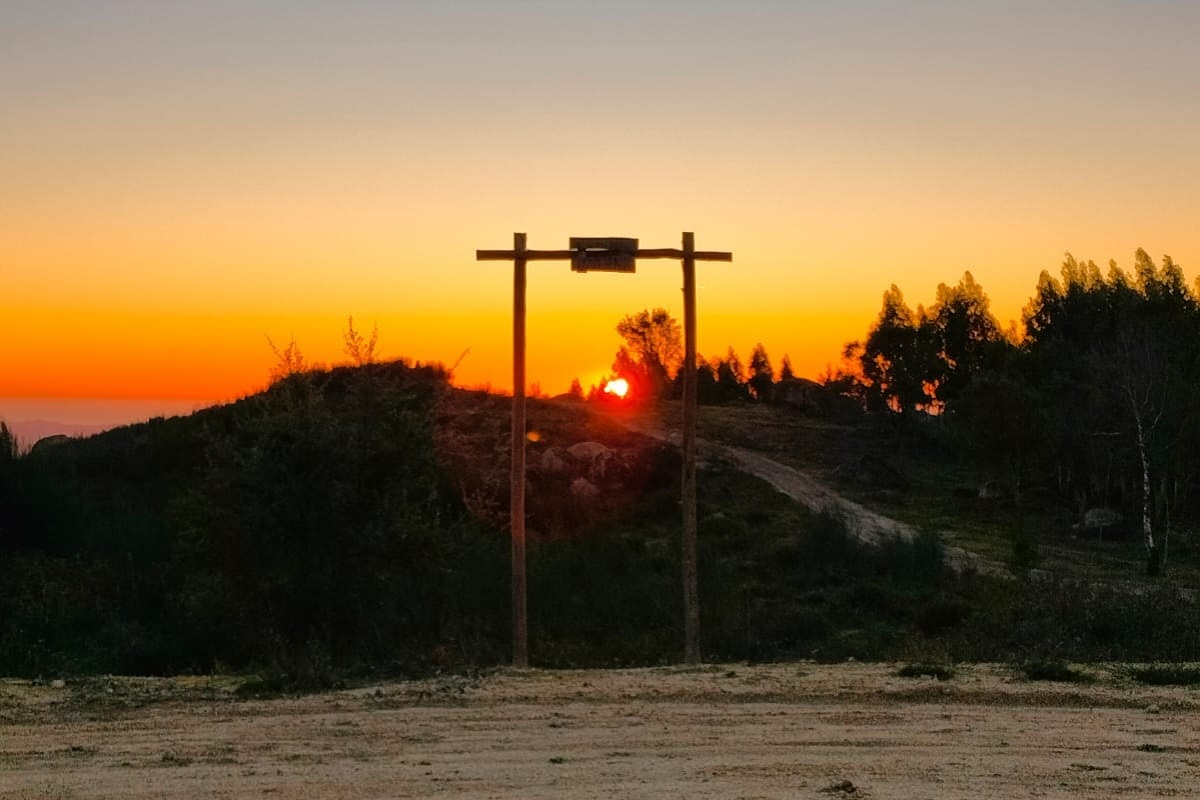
(588, 451)
(552, 462)
(799, 393)
(592, 456)
(583, 489)
(58, 683)
(1101, 517)
(48, 443)
(990, 490)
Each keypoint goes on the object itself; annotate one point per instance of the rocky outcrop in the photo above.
(591, 459)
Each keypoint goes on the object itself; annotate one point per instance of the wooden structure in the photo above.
(604, 254)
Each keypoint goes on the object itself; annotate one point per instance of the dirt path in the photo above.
(863, 523)
(778, 731)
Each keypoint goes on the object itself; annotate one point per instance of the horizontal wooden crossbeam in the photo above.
(567, 255)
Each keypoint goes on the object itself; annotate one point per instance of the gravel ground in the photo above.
(723, 731)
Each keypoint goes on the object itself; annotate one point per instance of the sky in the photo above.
(180, 182)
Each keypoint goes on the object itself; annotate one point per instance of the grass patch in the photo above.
(280, 684)
(1054, 670)
(1166, 675)
(943, 672)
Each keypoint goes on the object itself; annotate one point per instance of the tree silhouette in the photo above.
(762, 376)
(8, 444)
(785, 369)
(731, 379)
(1117, 359)
(653, 348)
(897, 358)
(361, 350)
(967, 336)
(288, 360)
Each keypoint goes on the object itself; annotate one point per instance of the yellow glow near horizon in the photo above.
(177, 185)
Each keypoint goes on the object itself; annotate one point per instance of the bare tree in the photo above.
(288, 360)
(361, 350)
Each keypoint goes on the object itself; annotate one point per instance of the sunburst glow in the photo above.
(617, 386)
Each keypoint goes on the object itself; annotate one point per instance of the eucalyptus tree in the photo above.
(762, 374)
(1118, 358)
(966, 335)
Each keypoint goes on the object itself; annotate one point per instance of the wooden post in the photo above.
(611, 254)
(517, 511)
(691, 591)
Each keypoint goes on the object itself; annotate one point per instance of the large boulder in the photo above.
(552, 462)
(1100, 518)
(584, 490)
(591, 458)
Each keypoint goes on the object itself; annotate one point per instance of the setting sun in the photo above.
(618, 387)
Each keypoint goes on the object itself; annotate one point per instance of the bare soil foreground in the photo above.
(729, 731)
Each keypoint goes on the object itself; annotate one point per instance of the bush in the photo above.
(942, 672)
(941, 614)
(1167, 675)
(1054, 670)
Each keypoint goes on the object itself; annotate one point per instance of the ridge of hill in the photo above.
(29, 432)
(351, 522)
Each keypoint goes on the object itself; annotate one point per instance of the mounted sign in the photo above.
(603, 254)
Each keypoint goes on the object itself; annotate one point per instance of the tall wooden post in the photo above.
(691, 591)
(517, 510)
(605, 254)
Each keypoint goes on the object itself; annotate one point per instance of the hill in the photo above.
(351, 522)
(29, 432)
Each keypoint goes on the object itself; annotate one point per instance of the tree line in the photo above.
(651, 358)
(1092, 398)
(1095, 399)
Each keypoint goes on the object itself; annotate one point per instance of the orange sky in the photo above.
(178, 182)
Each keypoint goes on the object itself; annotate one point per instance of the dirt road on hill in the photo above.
(732, 731)
(863, 523)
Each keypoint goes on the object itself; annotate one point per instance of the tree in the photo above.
(360, 349)
(654, 343)
(706, 382)
(8, 444)
(1002, 419)
(8, 458)
(897, 358)
(731, 381)
(288, 361)
(640, 381)
(1153, 363)
(967, 336)
(762, 376)
(785, 369)
(1118, 359)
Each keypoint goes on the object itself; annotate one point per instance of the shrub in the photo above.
(1167, 675)
(1054, 670)
(942, 672)
(941, 614)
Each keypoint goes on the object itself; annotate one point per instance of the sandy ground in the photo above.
(729, 731)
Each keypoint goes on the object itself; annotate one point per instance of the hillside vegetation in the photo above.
(352, 522)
